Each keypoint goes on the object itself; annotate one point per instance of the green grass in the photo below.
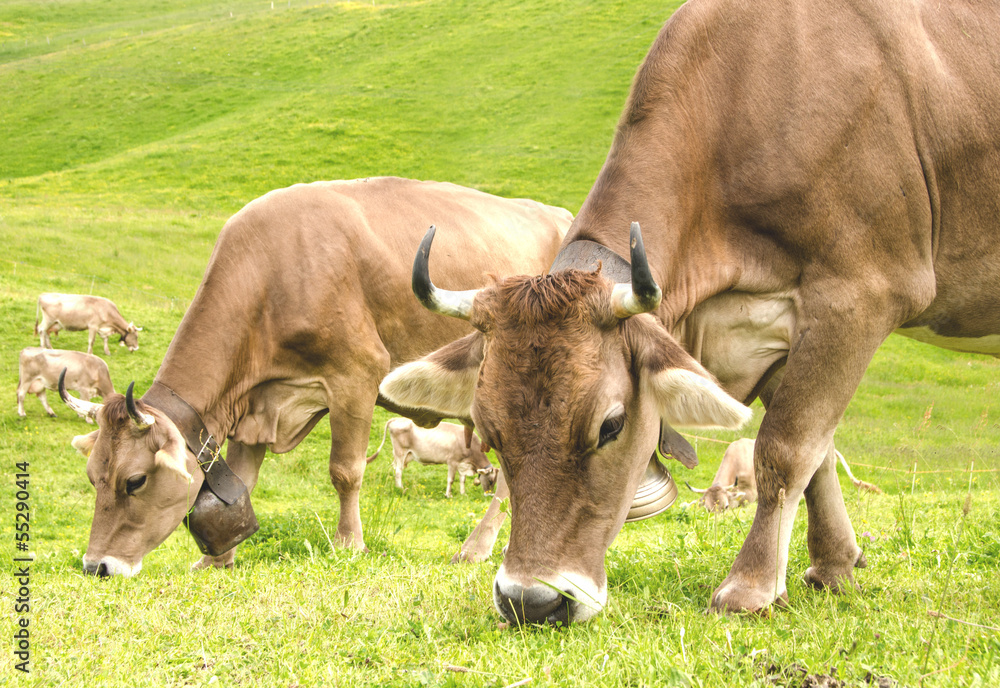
(133, 130)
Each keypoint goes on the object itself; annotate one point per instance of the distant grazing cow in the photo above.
(306, 304)
(38, 371)
(809, 178)
(444, 444)
(734, 483)
(75, 312)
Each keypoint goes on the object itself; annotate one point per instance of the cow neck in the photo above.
(584, 254)
(220, 478)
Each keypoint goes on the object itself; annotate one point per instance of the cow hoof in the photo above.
(834, 582)
(467, 557)
(208, 562)
(732, 597)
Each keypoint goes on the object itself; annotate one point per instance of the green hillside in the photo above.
(132, 130)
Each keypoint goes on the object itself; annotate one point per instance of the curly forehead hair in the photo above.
(541, 299)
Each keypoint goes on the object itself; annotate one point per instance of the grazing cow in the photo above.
(75, 312)
(812, 177)
(444, 444)
(38, 371)
(734, 483)
(304, 307)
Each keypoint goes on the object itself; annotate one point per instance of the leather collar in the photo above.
(226, 485)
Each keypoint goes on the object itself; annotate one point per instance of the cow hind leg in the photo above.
(22, 391)
(833, 550)
(245, 461)
(451, 479)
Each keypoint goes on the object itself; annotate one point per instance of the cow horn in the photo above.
(142, 420)
(694, 489)
(84, 408)
(457, 304)
(642, 295)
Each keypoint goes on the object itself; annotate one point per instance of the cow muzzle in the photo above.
(109, 566)
(571, 599)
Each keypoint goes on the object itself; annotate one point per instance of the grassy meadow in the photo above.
(132, 130)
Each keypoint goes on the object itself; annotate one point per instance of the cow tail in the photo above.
(385, 429)
(860, 484)
(38, 316)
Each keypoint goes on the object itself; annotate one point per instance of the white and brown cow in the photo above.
(75, 312)
(734, 483)
(444, 445)
(811, 177)
(305, 305)
(38, 371)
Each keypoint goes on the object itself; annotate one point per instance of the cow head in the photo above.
(130, 339)
(568, 380)
(719, 498)
(146, 481)
(487, 478)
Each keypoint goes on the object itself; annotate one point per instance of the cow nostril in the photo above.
(102, 570)
(560, 617)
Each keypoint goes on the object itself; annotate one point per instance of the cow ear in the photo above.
(685, 393)
(173, 456)
(443, 382)
(85, 443)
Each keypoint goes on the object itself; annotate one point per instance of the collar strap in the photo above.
(219, 477)
(584, 254)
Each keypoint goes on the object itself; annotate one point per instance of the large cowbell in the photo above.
(221, 516)
(218, 526)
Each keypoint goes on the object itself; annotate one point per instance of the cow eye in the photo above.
(610, 429)
(134, 483)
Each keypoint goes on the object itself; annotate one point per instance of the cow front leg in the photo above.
(451, 479)
(398, 464)
(42, 397)
(245, 461)
(825, 365)
(104, 338)
(350, 425)
(479, 545)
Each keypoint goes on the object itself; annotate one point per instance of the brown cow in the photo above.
(74, 312)
(813, 177)
(304, 307)
(38, 371)
(734, 483)
(443, 445)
